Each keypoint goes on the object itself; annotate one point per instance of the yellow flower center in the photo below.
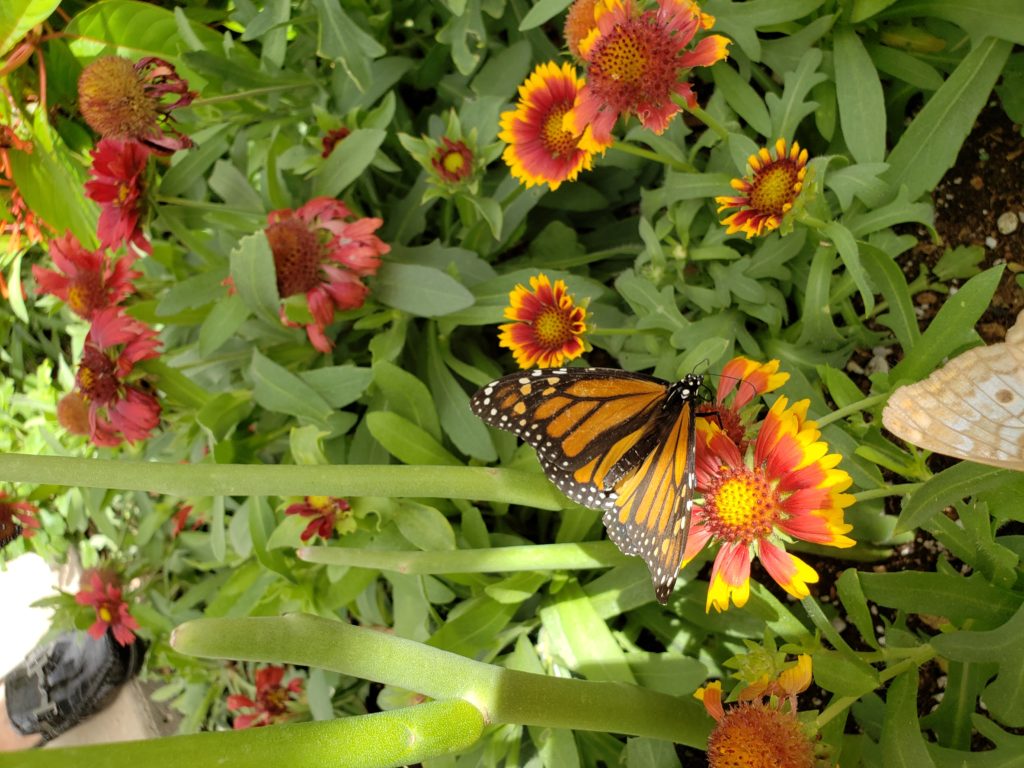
(759, 736)
(623, 57)
(552, 328)
(104, 613)
(775, 187)
(454, 162)
(322, 503)
(741, 505)
(557, 141)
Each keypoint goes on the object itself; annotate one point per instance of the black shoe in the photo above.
(62, 683)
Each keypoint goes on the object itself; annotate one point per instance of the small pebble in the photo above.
(1007, 223)
(977, 183)
(991, 242)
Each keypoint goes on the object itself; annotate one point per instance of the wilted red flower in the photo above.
(19, 220)
(181, 519)
(104, 595)
(73, 413)
(547, 327)
(320, 251)
(17, 517)
(119, 409)
(118, 170)
(332, 139)
(579, 23)
(272, 699)
(636, 60)
(86, 281)
(122, 100)
(453, 161)
(324, 511)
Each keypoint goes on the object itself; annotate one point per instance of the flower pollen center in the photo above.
(558, 142)
(759, 736)
(624, 56)
(553, 328)
(104, 613)
(113, 99)
(741, 505)
(86, 294)
(775, 187)
(97, 376)
(298, 253)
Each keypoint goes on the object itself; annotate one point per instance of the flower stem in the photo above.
(889, 490)
(226, 97)
(846, 410)
(206, 205)
(632, 149)
(503, 695)
(540, 557)
(708, 120)
(395, 481)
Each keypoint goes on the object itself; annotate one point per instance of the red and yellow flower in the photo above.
(118, 174)
(452, 161)
(748, 379)
(119, 407)
(325, 513)
(763, 731)
(17, 518)
(768, 192)
(786, 487)
(541, 150)
(636, 61)
(547, 327)
(321, 252)
(86, 280)
(104, 594)
(272, 702)
(579, 23)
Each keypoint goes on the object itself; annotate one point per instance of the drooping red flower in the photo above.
(636, 61)
(124, 100)
(271, 704)
(333, 138)
(119, 408)
(324, 512)
(86, 280)
(17, 518)
(105, 596)
(321, 251)
(118, 170)
(181, 519)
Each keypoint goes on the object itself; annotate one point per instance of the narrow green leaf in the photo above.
(253, 275)
(902, 741)
(339, 385)
(224, 319)
(981, 18)
(281, 391)
(405, 441)
(424, 526)
(850, 254)
(856, 605)
(886, 274)
(343, 167)
(841, 674)
(345, 42)
(541, 12)
(930, 144)
(407, 397)
(861, 101)
(476, 628)
(469, 434)
(952, 485)
(418, 290)
(956, 597)
(744, 100)
(789, 109)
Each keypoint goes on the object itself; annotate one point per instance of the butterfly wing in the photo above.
(614, 441)
(972, 408)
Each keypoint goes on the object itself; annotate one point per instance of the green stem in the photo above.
(401, 737)
(480, 483)
(227, 97)
(846, 410)
(707, 119)
(632, 149)
(175, 384)
(538, 557)
(811, 221)
(889, 490)
(615, 331)
(503, 695)
(206, 205)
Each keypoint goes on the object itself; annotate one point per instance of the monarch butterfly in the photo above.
(614, 441)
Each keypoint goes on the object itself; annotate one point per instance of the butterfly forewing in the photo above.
(610, 440)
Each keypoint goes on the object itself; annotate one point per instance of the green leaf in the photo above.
(959, 263)
(233, 188)
(223, 411)
(281, 391)
(906, 67)
(950, 329)
(856, 605)
(850, 254)
(261, 523)
(254, 276)
(788, 110)
(518, 587)
(339, 385)
(345, 165)
(406, 396)
(424, 526)
(418, 290)
(958, 598)
(960, 481)
(930, 144)
(467, 432)
(474, 631)
(405, 441)
(345, 42)
(136, 29)
(744, 100)
(541, 12)
(865, 9)
(224, 319)
(17, 17)
(651, 753)
(981, 18)
(902, 741)
(843, 675)
(886, 274)
(861, 101)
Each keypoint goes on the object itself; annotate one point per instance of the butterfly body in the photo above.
(972, 408)
(615, 441)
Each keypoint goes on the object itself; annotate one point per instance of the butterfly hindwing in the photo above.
(611, 440)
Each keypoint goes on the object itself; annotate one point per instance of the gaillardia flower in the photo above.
(325, 512)
(122, 100)
(452, 161)
(86, 280)
(332, 138)
(768, 192)
(119, 408)
(118, 170)
(104, 595)
(540, 149)
(789, 487)
(547, 326)
(320, 251)
(748, 379)
(579, 23)
(17, 518)
(760, 732)
(636, 60)
(271, 704)
(73, 413)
